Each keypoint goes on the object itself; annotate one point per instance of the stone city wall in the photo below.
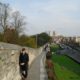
(9, 58)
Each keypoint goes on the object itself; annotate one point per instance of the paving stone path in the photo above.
(37, 70)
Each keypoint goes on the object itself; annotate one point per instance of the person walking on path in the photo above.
(23, 63)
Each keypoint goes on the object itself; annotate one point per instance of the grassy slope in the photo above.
(65, 68)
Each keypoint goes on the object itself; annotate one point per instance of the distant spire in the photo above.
(49, 33)
(54, 33)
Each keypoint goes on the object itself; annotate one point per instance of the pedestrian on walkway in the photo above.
(48, 55)
(23, 63)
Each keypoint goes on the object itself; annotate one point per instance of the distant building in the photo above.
(78, 40)
(56, 38)
(54, 33)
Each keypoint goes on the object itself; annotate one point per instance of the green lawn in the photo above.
(65, 68)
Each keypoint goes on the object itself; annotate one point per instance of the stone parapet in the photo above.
(9, 60)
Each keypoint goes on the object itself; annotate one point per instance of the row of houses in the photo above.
(63, 39)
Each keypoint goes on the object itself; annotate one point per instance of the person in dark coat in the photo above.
(48, 55)
(23, 63)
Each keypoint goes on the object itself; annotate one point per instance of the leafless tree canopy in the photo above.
(4, 15)
(18, 21)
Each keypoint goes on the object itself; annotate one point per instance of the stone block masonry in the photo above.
(9, 69)
(9, 55)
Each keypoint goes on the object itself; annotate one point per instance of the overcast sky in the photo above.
(62, 16)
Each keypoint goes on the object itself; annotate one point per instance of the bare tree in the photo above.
(4, 15)
(18, 21)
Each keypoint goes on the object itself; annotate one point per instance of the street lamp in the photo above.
(36, 40)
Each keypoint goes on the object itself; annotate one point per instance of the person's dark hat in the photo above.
(23, 49)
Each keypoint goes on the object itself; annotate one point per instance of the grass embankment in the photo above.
(65, 68)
